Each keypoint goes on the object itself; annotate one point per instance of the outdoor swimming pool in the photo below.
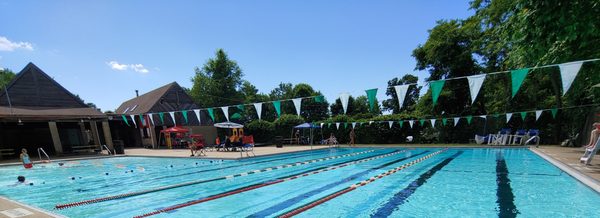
(404, 182)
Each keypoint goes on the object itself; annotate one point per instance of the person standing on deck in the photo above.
(25, 159)
(352, 137)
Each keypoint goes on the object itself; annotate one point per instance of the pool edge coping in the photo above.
(581, 177)
(34, 208)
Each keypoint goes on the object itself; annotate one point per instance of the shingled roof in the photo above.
(34, 94)
(170, 97)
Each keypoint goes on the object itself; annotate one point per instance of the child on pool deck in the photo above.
(25, 159)
(593, 136)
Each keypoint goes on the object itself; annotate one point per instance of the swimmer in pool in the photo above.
(21, 181)
(25, 159)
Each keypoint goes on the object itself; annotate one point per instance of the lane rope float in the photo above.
(131, 194)
(260, 185)
(319, 201)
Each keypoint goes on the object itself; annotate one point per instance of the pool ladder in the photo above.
(107, 149)
(40, 151)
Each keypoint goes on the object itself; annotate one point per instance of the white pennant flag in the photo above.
(133, 119)
(226, 112)
(401, 93)
(568, 72)
(391, 123)
(433, 122)
(508, 116)
(483, 116)
(353, 125)
(538, 114)
(411, 122)
(322, 125)
(151, 118)
(173, 118)
(456, 119)
(297, 104)
(344, 99)
(337, 125)
(197, 112)
(258, 107)
(371, 122)
(475, 83)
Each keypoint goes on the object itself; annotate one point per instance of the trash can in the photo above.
(278, 140)
(119, 146)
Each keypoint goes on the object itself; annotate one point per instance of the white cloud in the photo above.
(7, 45)
(122, 67)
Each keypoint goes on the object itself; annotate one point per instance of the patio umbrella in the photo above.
(229, 125)
(176, 129)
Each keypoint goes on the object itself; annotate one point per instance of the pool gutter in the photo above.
(9, 205)
(585, 179)
(17, 163)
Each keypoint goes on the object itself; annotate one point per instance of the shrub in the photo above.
(284, 125)
(261, 130)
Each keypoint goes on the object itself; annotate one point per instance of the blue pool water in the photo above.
(434, 182)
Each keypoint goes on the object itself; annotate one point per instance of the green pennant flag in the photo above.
(241, 107)
(328, 125)
(444, 121)
(277, 105)
(372, 97)
(162, 117)
(345, 125)
(496, 116)
(211, 113)
(422, 122)
(436, 89)
(142, 119)
(469, 118)
(517, 77)
(401, 122)
(523, 115)
(125, 119)
(319, 99)
(554, 112)
(184, 112)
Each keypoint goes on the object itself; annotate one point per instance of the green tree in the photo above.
(6, 76)
(218, 82)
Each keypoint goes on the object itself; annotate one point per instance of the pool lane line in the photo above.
(268, 183)
(506, 197)
(287, 203)
(319, 201)
(187, 173)
(130, 194)
(400, 197)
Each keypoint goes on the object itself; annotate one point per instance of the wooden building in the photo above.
(165, 99)
(37, 112)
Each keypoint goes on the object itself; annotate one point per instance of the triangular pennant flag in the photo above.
(523, 115)
(344, 99)
(161, 115)
(197, 112)
(319, 99)
(322, 125)
(297, 104)
(353, 125)
(444, 121)
(226, 112)
(401, 93)
(422, 122)
(258, 107)
(328, 125)
(496, 115)
(475, 83)
(142, 120)
(371, 122)
(125, 119)
(173, 118)
(508, 116)
(554, 111)
(337, 125)
(185, 115)
(469, 118)
(277, 105)
(372, 97)
(456, 119)
(401, 123)
(241, 107)
(436, 89)
(211, 113)
(568, 72)
(151, 117)
(538, 113)
(483, 116)
(432, 122)
(133, 119)
(411, 122)
(345, 125)
(390, 123)
(517, 77)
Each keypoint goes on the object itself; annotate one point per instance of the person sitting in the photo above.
(592, 148)
(332, 140)
(593, 135)
(25, 159)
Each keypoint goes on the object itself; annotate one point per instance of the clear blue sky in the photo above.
(104, 50)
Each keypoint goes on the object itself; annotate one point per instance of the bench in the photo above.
(8, 152)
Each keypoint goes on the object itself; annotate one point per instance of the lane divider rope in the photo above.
(131, 194)
(260, 185)
(317, 202)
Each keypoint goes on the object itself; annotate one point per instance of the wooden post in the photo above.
(95, 135)
(55, 137)
(107, 135)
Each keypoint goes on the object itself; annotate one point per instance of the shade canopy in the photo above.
(175, 129)
(307, 126)
(229, 125)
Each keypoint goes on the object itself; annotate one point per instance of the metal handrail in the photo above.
(107, 149)
(537, 142)
(40, 151)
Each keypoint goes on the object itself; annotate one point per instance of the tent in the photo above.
(309, 126)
